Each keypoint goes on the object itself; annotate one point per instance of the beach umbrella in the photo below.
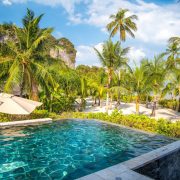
(11, 104)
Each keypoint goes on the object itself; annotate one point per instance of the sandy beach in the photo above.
(130, 108)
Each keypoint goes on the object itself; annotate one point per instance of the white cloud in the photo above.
(86, 55)
(68, 5)
(155, 25)
(136, 55)
(6, 2)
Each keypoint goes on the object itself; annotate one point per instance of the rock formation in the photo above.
(65, 51)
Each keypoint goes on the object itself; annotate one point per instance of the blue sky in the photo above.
(84, 21)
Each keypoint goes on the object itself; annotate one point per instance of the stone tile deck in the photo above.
(107, 174)
(26, 122)
(124, 170)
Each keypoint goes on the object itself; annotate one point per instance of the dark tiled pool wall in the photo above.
(165, 168)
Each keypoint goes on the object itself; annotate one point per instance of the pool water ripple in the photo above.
(69, 149)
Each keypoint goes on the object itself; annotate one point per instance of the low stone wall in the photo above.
(165, 168)
(26, 122)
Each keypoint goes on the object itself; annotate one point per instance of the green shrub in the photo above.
(129, 98)
(37, 114)
(169, 103)
(141, 122)
(3, 118)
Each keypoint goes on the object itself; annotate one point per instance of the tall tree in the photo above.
(83, 93)
(157, 73)
(173, 52)
(138, 80)
(173, 86)
(122, 24)
(175, 39)
(24, 68)
(111, 59)
(119, 87)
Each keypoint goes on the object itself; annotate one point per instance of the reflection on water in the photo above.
(11, 166)
(13, 132)
(69, 149)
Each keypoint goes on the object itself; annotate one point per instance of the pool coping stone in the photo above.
(26, 122)
(125, 170)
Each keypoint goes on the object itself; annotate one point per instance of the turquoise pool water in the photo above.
(69, 149)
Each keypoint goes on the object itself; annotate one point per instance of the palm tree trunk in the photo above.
(34, 91)
(95, 102)
(137, 104)
(81, 103)
(119, 77)
(118, 99)
(22, 81)
(51, 100)
(99, 101)
(108, 87)
(107, 100)
(147, 101)
(154, 107)
(179, 105)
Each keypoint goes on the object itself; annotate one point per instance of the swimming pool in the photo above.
(69, 149)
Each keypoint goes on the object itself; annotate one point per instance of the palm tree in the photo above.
(173, 86)
(175, 39)
(138, 80)
(111, 59)
(119, 87)
(120, 22)
(145, 63)
(173, 52)
(22, 61)
(157, 73)
(100, 87)
(83, 93)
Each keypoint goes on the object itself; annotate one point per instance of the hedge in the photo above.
(142, 122)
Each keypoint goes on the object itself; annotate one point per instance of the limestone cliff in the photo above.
(65, 51)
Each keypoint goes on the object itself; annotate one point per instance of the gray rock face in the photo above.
(65, 51)
(63, 55)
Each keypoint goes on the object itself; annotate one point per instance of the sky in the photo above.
(83, 22)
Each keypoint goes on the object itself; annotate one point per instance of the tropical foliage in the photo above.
(113, 56)
(28, 70)
(142, 122)
(122, 23)
(21, 66)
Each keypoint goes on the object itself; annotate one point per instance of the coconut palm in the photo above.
(21, 65)
(175, 39)
(122, 24)
(112, 57)
(118, 86)
(83, 93)
(145, 63)
(138, 80)
(157, 73)
(173, 86)
(173, 52)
